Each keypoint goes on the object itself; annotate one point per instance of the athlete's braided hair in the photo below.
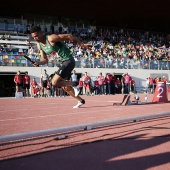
(35, 29)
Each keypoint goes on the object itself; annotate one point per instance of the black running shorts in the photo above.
(26, 86)
(66, 68)
(18, 84)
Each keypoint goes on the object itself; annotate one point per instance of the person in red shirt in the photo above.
(112, 83)
(33, 85)
(127, 82)
(37, 91)
(108, 79)
(81, 86)
(18, 81)
(101, 81)
(86, 80)
(155, 81)
(133, 85)
(164, 79)
(118, 83)
(96, 86)
(26, 84)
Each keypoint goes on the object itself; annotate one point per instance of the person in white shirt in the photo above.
(74, 77)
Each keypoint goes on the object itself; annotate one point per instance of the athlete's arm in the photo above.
(65, 37)
(44, 58)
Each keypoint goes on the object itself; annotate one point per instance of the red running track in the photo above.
(113, 147)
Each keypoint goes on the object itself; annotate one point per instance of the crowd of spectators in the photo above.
(117, 48)
(120, 48)
(108, 84)
(123, 49)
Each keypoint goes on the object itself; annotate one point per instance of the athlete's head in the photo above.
(36, 33)
(35, 29)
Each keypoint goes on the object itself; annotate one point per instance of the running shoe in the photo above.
(79, 104)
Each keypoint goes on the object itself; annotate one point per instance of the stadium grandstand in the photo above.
(121, 43)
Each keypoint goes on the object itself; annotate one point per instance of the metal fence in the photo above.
(81, 62)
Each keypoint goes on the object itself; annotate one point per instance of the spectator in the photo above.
(132, 84)
(48, 91)
(112, 83)
(155, 80)
(52, 28)
(26, 84)
(37, 91)
(81, 86)
(60, 92)
(74, 77)
(127, 83)
(96, 89)
(9, 48)
(3, 37)
(28, 29)
(164, 79)
(108, 79)
(9, 37)
(151, 85)
(119, 85)
(45, 30)
(44, 82)
(101, 81)
(86, 79)
(147, 85)
(18, 81)
(60, 29)
(33, 86)
(6, 24)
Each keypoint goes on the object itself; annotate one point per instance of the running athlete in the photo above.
(54, 43)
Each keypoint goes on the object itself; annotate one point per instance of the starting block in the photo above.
(160, 96)
(126, 101)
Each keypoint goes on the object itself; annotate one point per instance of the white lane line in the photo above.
(74, 113)
(45, 116)
(91, 106)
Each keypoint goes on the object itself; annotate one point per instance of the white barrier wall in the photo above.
(139, 75)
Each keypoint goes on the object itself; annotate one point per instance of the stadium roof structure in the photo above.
(145, 14)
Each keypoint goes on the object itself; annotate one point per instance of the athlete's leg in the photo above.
(60, 82)
(70, 91)
(66, 85)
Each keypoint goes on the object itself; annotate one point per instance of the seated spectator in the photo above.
(5, 47)
(37, 91)
(2, 37)
(9, 37)
(33, 86)
(9, 48)
(1, 49)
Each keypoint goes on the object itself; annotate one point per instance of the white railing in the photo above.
(13, 42)
(5, 60)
